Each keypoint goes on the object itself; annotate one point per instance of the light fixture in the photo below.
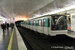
(56, 11)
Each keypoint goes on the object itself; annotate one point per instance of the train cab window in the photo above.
(39, 22)
(59, 22)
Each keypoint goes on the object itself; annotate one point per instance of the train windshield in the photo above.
(59, 22)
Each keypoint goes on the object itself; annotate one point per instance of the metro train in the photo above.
(48, 25)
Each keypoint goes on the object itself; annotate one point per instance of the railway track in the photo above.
(36, 42)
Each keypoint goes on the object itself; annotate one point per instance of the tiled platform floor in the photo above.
(4, 38)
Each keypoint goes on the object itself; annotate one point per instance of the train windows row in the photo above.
(42, 22)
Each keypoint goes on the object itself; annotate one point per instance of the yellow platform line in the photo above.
(10, 42)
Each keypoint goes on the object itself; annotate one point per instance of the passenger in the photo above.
(12, 25)
(7, 26)
(3, 27)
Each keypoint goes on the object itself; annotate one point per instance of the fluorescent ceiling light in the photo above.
(70, 7)
(56, 11)
(30, 18)
(2, 18)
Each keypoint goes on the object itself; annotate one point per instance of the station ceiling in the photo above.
(13, 8)
(26, 8)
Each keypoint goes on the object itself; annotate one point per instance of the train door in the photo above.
(58, 24)
(34, 26)
(39, 26)
(46, 25)
(49, 25)
(37, 23)
(42, 27)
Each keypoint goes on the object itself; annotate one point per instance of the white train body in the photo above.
(49, 25)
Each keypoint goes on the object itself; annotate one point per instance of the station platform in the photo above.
(21, 38)
(11, 40)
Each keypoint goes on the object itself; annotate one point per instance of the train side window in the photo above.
(27, 23)
(39, 22)
(24, 22)
(44, 23)
(34, 23)
(31, 23)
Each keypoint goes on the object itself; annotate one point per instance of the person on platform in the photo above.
(7, 26)
(12, 25)
(3, 27)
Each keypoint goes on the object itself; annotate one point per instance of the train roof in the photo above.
(48, 15)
